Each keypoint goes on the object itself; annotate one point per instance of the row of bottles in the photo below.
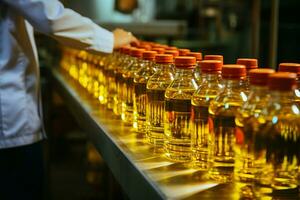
(237, 121)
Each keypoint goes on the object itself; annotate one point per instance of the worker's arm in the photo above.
(68, 27)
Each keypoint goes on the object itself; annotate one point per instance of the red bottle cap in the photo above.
(147, 47)
(233, 71)
(260, 76)
(137, 52)
(149, 55)
(290, 67)
(282, 81)
(197, 55)
(128, 51)
(171, 48)
(250, 63)
(185, 62)
(183, 52)
(164, 58)
(213, 57)
(175, 53)
(125, 50)
(159, 50)
(211, 66)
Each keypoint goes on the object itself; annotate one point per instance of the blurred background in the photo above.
(264, 29)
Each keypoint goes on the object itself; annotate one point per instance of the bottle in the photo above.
(183, 52)
(109, 73)
(294, 68)
(124, 60)
(214, 57)
(250, 63)
(156, 88)
(276, 139)
(141, 77)
(177, 143)
(245, 165)
(207, 91)
(128, 75)
(197, 71)
(222, 111)
(171, 48)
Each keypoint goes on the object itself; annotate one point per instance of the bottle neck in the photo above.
(211, 77)
(184, 72)
(282, 97)
(238, 84)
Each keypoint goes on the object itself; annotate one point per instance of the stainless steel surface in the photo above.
(273, 34)
(160, 28)
(142, 171)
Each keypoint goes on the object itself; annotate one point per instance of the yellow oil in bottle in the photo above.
(101, 80)
(207, 91)
(128, 75)
(276, 139)
(222, 111)
(109, 73)
(246, 120)
(141, 78)
(177, 143)
(156, 87)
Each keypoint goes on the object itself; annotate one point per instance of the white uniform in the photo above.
(20, 114)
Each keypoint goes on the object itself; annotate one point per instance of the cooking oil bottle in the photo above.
(159, 50)
(109, 73)
(128, 75)
(197, 70)
(156, 87)
(174, 53)
(214, 57)
(178, 96)
(207, 91)
(222, 111)
(294, 68)
(124, 60)
(245, 164)
(250, 63)
(141, 77)
(101, 79)
(276, 139)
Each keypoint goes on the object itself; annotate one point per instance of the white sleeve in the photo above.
(65, 25)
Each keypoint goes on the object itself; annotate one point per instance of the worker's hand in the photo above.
(122, 38)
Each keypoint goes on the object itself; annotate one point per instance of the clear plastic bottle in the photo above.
(109, 74)
(128, 75)
(174, 53)
(159, 50)
(124, 61)
(222, 111)
(245, 164)
(276, 139)
(207, 91)
(214, 57)
(156, 88)
(178, 96)
(250, 63)
(147, 69)
(294, 68)
(197, 71)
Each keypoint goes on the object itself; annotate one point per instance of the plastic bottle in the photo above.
(276, 139)
(197, 71)
(245, 165)
(156, 88)
(141, 77)
(250, 63)
(294, 68)
(178, 96)
(222, 111)
(128, 75)
(207, 91)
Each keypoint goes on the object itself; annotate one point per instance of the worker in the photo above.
(21, 129)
